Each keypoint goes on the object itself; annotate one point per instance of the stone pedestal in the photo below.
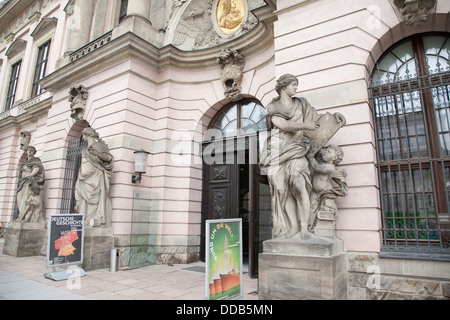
(98, 243)
(24, 239)
(294, 269)
(141, 27)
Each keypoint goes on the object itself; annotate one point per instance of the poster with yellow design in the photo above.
(224, 259)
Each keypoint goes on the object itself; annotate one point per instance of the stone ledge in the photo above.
(313, 247)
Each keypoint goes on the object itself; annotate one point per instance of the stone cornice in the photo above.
(116, 51)
(300, 3)
(26, 112)
(130, 46)
(11, 12)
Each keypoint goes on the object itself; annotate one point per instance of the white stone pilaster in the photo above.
(79, 24)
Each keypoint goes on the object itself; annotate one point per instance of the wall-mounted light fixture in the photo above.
(140, 164)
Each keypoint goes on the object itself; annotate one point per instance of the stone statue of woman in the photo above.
(92, 187)
(284, 158)
(32, 178)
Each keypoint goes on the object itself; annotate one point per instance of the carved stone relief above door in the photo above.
(414, 12)
(204, 24)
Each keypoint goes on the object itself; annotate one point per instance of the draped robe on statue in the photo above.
(284, 158)
(29, 200)
(92, 187)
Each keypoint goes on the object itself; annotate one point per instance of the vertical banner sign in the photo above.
(224, 259)
(65, 240)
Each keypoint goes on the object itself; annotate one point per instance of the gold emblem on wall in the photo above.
(230, 15)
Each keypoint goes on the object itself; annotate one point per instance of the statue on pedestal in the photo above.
(92, 187)
(32, 177)
(298, 133)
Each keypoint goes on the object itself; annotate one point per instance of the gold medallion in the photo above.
(230, 15)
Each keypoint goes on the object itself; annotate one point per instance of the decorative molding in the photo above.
(93, 45)
(24, 141)
(129, 46)
(15, 47)
(198, 26)
(43, 26)
(232, 64)
(78, 97)
(25, 112)
(219, 203)
(414, 12)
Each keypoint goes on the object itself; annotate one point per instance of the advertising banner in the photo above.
(65, 240)
(224, 259)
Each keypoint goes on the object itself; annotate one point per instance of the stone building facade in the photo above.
(169, 77)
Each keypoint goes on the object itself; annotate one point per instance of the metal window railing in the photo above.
(412, 121)
(73, 163)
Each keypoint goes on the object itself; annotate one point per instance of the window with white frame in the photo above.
(40, 69)
(12, 87)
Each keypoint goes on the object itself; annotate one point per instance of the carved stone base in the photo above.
(325, 226)
(24, 239)
(98, 243)
(314, 269)
(141, 27)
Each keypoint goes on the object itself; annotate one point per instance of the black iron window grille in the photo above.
(410, 97)
(73, 163)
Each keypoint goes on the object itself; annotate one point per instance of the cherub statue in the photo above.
(323, 193)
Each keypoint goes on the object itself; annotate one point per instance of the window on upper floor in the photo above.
(410, 94)
(40, 69)
(12, 87)
(123, 10)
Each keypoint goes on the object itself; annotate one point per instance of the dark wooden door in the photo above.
(220, 188)
(229, 181)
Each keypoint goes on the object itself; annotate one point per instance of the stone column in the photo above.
(138, 22)
(139, 8)
(79, 24)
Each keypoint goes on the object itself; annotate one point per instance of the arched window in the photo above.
(410, 95)
(72, 167)
(237, 119)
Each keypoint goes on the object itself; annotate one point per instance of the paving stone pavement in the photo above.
(23, 279)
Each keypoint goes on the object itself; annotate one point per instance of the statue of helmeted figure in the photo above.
(93, 184)
(293, 122)
(31, 180)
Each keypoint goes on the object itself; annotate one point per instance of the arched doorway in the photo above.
(75, 145)
(233, 186)
(410, 93)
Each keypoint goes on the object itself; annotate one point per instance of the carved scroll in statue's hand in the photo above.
(329, 124)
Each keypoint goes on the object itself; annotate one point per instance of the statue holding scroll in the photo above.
(297, 130)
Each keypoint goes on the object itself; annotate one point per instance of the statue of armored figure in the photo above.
(300, 185)
(93, 184)
(31, 180)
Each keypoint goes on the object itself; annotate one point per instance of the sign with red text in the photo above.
(65, 240)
